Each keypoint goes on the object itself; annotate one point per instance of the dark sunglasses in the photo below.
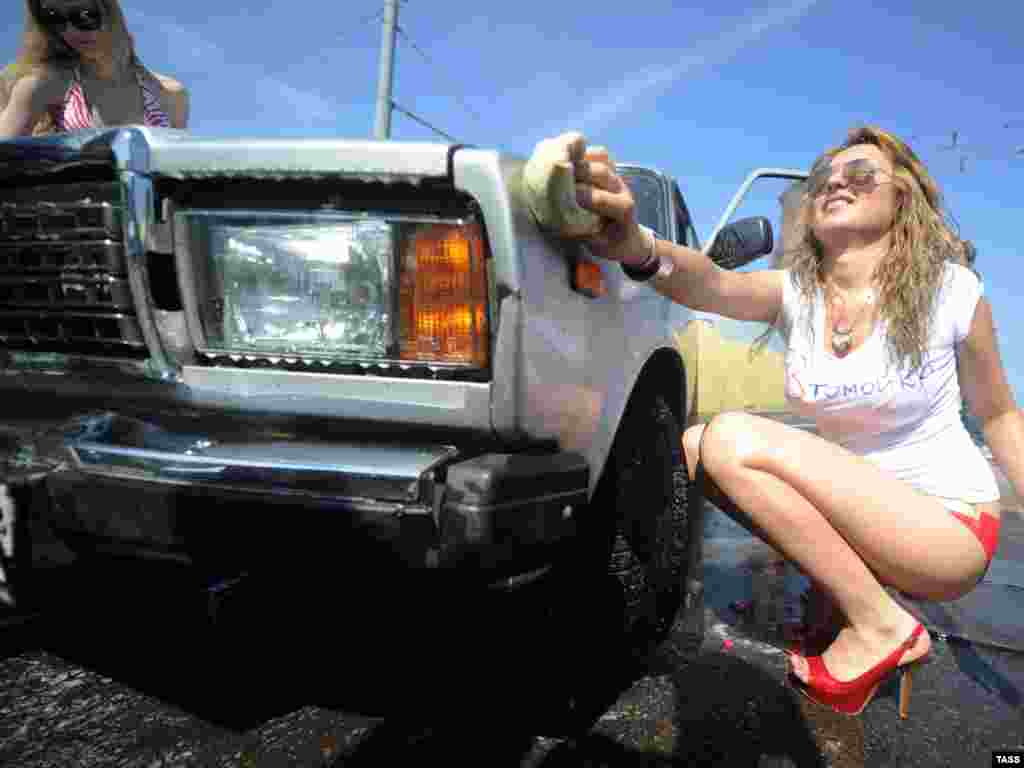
(87, 19)
(861, 175)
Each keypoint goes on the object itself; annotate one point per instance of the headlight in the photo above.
(334, 286)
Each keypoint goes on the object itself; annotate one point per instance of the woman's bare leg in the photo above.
(848, 524)
(822, 618)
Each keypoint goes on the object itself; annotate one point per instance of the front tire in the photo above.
(643, 497)
(622, 582)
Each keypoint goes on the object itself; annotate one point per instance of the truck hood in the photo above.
(177, 154)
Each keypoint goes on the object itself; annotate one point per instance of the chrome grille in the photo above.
(63, 276)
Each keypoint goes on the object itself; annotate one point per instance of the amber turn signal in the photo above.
(443, 296)
(588, 279)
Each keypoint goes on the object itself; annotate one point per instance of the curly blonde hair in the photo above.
(40, 48)
(923, 239)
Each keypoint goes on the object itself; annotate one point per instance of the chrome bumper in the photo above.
(109, 489)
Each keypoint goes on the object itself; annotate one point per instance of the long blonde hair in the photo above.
(923, 239)
(41, 48)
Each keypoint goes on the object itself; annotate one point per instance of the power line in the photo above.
(345, 36)
(423, 122)
(422, 53)
(376, 16)
(968, 153)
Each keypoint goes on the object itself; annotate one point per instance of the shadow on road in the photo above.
(720, 708)
(731, 712)
(728, 711)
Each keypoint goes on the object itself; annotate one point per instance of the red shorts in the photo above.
(983, 525)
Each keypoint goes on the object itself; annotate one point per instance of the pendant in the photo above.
(842, 341)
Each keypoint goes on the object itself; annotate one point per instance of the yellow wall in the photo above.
(723, 374)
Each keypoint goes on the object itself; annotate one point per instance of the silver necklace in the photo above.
(843, 322)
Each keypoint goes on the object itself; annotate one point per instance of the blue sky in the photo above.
(704, 94)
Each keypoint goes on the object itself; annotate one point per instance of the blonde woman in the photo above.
(883, 329)
(822, 621)
(78, 69)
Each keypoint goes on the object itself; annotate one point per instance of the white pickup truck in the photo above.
(354, 371)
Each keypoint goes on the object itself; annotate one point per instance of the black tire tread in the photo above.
(650, 568)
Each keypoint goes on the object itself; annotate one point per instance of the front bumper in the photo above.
(112, 494)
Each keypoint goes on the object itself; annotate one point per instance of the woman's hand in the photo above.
(601, 190)
(29, 99)
(574, 191)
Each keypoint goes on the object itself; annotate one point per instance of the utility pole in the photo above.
(382, 125)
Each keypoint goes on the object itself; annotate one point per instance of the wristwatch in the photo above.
(653, 265)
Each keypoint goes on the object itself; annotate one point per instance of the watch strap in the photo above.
(651, 266)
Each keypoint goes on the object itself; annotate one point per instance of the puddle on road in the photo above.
(740, 568)
(751, 592)
(973, 678)
(991, 615)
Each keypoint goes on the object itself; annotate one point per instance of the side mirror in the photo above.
(741, 242)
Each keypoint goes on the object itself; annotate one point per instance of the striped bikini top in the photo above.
(75, 114)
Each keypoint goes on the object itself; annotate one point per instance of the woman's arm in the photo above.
(30, 97)
(175, 101)
(697, 282)
(989, 397)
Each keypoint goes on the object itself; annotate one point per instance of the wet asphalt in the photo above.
(97, 690)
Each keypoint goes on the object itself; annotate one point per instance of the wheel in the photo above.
(622, 582)
(643, 497)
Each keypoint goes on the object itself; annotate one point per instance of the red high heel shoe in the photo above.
(852, 696)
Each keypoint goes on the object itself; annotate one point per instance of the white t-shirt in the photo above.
(906, 423)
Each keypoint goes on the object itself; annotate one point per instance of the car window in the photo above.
(648, 193)
(686, 234)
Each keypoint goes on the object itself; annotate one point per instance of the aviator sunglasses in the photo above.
(860, 175)
(85, 19)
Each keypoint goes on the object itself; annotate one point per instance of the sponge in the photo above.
(549, 179)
